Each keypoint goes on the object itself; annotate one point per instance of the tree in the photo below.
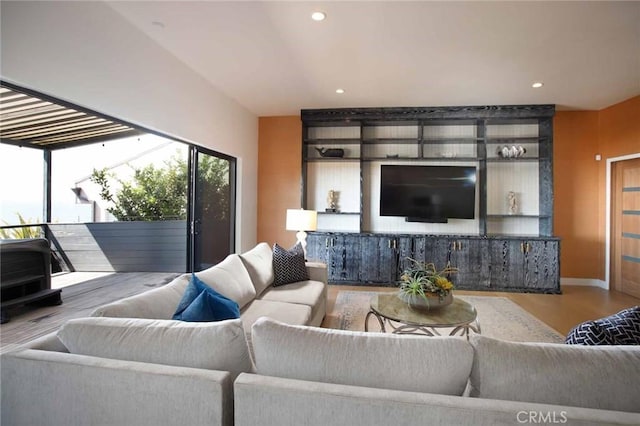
(213, 184)
(161, 193)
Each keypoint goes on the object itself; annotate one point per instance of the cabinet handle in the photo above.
(395, 244)
(522, 247)
(389, 244)
(453, 246)
(459, 245)
(326, 243)
(528, 247)
(332, 241)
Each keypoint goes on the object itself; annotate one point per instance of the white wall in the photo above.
(85, 53)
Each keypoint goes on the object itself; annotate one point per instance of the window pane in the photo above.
(213, 239)
(145, 178)
(21, 185)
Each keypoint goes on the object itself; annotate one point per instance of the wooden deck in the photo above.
(82, 292)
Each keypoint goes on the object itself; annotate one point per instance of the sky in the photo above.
(21, 175)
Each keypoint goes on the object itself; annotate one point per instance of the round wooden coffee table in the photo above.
(388, 309)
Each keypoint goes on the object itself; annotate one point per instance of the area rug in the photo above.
(499, 317)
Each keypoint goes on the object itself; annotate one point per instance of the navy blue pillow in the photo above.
(201, 303)
(589, 333)
(623, 327)
(289, 265)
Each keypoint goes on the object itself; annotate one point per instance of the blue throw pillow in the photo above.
(201, 303)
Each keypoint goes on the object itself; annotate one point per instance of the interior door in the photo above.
(625, 226)
(212, 208)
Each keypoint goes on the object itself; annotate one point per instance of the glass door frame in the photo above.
(192, 217)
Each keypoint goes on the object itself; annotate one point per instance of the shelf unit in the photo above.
(496, 250)
(431, 136)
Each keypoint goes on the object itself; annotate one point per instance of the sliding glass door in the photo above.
(212, 207)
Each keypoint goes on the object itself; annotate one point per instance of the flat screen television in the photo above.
(428, 193)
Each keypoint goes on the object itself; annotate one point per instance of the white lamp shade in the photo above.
(302, 220)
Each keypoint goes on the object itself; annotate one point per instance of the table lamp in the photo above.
(302, 220)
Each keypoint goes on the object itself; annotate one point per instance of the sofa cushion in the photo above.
(310, 293)
(158, 303)
(603, 377)
(216, 346)
(377, 360)
(202, 303)
(259, 264)
(289, 265)
(289, 313)
(231, 279)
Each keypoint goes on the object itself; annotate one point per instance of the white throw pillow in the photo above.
(259, 263)
(411, 363)
(604, 377)
(218, 345)
(231, 279)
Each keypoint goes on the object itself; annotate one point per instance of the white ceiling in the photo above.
(274, 60)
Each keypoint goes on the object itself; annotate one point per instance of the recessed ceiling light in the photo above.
(340, 91)
(318, 16)
(537, 85)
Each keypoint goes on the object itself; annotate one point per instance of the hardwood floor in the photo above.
(81, 294)
(561, 312)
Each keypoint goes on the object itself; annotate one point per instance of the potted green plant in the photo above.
(423, 286)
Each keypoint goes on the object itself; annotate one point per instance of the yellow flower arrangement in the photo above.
(424, 279)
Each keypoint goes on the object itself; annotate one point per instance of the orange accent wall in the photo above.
(279, 176)
(620, 128)
(579, 180)
(619, 135)
(575, 187)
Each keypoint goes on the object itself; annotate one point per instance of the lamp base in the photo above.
(302, 239)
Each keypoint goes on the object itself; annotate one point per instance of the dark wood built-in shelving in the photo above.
(492, 259)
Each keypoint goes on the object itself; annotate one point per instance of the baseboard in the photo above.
(589, 282)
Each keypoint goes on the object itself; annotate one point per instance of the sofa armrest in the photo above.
(317, 271)
(48, 342)
(44, 387)
(276, 401)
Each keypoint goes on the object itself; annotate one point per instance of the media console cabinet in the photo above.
(499, 249)
(485, 263)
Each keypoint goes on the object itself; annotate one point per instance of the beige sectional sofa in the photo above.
(247, 279)
(314, 376)
(131, 365)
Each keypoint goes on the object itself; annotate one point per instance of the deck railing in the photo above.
(132, 246)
